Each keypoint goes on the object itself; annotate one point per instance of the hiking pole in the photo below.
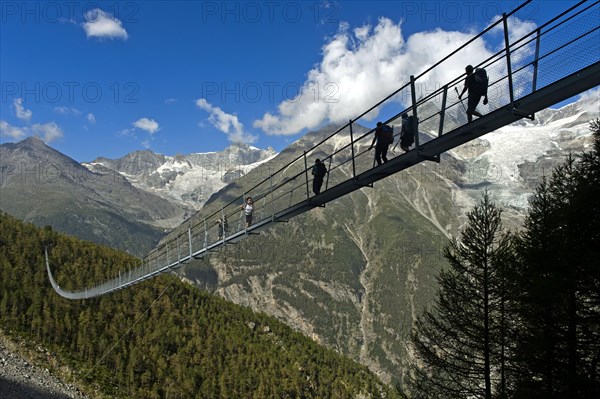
(460, 99)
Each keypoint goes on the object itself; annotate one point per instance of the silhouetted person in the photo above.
(476, 82)
(407, 136)
(318, 171)
(382, 138)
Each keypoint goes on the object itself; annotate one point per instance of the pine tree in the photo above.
(459, 344)
(559, 283)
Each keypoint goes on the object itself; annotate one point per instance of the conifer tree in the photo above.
(559, 283)
(458, 344)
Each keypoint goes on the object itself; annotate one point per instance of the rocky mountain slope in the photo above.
(355, 274)
(20, 378)
(186, 179)
(43, 186)
(126, 203)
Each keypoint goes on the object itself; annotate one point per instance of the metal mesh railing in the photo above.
(566, 44)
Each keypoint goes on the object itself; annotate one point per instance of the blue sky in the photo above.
(107, 78)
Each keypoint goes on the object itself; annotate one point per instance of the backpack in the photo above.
(387, 134)
(407, 138)
(319, 170)
(480, 79)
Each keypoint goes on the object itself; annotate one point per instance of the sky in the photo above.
(107, 78)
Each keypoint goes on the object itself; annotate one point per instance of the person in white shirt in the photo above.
(248, 208)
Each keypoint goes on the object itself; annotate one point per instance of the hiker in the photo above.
(318, 171)
(407, 136)
(222, 226)
(476, 82)
(248, 208)
(383, 139)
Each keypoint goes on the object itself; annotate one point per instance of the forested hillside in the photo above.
(161, 338)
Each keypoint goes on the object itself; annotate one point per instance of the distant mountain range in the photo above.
(353, 275)
(188, 180)
(126, 203)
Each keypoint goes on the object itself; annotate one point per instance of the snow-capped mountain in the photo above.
(511, 161)
(188, 179)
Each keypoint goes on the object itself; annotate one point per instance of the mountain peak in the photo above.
(33, 141)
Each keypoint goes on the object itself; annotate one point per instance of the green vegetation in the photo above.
(519, 317)
(186, 343)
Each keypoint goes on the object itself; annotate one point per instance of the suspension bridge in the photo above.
(549, 64)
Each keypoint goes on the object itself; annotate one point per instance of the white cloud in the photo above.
(146, 144)
(590, 100)
(149, 125)
(227, 123)
(20, 111)
(103, 25)
(48, 131)
(7, 130)
(66, 110)
(517, 28)
(170, 100)
(359, 67)
(91, 119)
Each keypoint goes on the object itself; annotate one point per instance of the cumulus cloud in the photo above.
(360, 66)
(91, 119)
(590, 100)
(517, 28)
(48, 131)
(20, 111)
(11, 132)
(103, 25)
(149, 125)
(227, 123)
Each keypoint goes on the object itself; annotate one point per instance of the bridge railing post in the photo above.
(190, 240)
(242, 213)
(306, 174)
(414, 126)
(351, 150)
(508, 63)
(205, 234)
(535, 60)
(223, 224)
(443, 111)
(272, 197)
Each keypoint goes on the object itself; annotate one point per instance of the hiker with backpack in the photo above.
(318, 171)
(407, 136)
(384, 136)
(477, 83)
